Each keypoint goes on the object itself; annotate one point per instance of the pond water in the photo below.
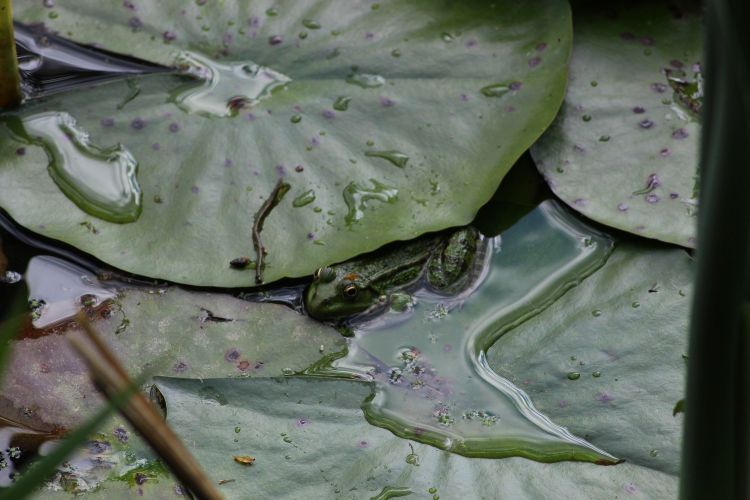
(431, 382)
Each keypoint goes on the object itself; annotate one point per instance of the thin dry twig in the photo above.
(112, 379)
(277, 194)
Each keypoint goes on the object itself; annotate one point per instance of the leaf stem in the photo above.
(10, 83)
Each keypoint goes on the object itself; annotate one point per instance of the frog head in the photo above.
(338, 292)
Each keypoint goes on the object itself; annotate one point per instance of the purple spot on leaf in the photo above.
(674, 196)
(515, 85)
(652, 198)
(302, 422)
(579, 202)
(275, 40)
(156, 146)
(299, 168)
(135, 22)
(194, 189)
(250, 117)
(623, 207)
(646, 40)
(21, 151)
(579, 149)
(387, 102)
(659, 87)
(639, 110)
(328, 114)
(534, 62)
(509, 109)
(138, 123)
(665, 152)
(174, 128)
(627, 36)
(646, 123)
(228, 163)
(310, 236)
(107, 122)
(464, 97)
(369, 36)
(604, 397)
(541, 46)
(363, 444)
(630, 488)
(470, 43)
(180, 367)
(680, 133)
(280, 170)
(676, 64)
(232, 354)
(169, 36)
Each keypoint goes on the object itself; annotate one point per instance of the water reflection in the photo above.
(432, 381)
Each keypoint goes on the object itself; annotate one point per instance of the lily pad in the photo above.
(607, 359)
(624, 149)
(386, 120)
(310, 440)
(167, 332)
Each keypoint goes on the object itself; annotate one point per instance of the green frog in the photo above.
(367, 282)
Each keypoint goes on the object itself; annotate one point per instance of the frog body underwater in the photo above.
(443, 261)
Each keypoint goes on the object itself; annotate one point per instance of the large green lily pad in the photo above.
(342, 96)
(310, 440)
(624, 149)
(622, 336)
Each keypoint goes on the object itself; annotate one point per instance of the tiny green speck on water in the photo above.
(604, 138)
(397, 158)
(636, 304)
(295, 119)
(596, 374)
(304, 199)
(375, 6)
(53, 15)
(341, 103)
(432, 490)
(237, 429)
(446, 37)
(654, 453)
(586, 118)
(311, 24)
(594, 83)
(396, 53)
(272, 12)
(596, 313)
(302, 35)
(574, 375)
(495, 90)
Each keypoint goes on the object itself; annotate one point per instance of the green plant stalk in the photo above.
(715, 445)
(10, 83)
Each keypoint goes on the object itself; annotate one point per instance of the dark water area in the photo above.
(50, 64)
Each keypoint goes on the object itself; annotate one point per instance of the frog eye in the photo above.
(350, 291)
(324, 274)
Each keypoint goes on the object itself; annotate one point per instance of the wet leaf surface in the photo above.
(624, 149)
(607, 359)
(310, 439)
(384, 121)
(169, 332)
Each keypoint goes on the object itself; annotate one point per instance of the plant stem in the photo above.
(10, 83)
(715, 445)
